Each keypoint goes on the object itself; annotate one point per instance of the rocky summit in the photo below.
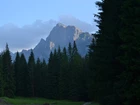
(61, 35)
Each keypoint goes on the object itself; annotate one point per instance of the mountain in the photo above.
(61, 35)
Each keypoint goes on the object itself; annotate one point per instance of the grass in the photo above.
(33, 101)
(93, 103)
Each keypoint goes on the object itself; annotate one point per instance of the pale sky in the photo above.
(24, 22)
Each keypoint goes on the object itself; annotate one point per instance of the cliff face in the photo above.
(61, 35)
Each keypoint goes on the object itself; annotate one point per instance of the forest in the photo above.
(108, 74)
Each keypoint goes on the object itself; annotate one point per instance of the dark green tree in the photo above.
(31, 68)
(37, 77)
(55, 75)
(43, 85)
(86, 79)
(91, 74)
(104, 51)
(23, 77)
(17, 73)
(64, 76)
(69, 52)
(40, 78)
(48, 77)
(52, 76)
(75, 72)
(1, 79)
(8, 74)
(130, 58)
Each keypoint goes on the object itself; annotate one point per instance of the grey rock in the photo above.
(61, 35)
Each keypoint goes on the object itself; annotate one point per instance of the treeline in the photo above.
(64, 77)
(108, 74)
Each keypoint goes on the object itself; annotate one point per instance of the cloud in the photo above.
(70, 20)
(28, 36)
(24, 37)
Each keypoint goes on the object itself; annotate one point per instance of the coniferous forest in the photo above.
(108, 74)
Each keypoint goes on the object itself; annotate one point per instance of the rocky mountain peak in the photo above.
(61, 35)
(64, 32)
(42, 41)
(60, 25)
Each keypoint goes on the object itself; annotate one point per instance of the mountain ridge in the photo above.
(61, 35)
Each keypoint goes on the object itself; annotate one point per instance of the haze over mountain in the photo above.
(28, 36)
(61, 35)
(24, 23)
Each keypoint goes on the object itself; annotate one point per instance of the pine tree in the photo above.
(52, 76)
(130, 58)
(64, 76)
(43, 85)
(48, 77)
(23, 77)
(75, 71)
(17, 71)
(37, 77)
(40, 78)
(69, 52)
(90, 71)
(8, 74)
(1, 79)
(104, 65)
(86, 78)
(31, 67)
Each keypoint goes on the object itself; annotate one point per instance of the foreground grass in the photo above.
(93, 103)
(39, 101)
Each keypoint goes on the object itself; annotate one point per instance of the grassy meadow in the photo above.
(40, 101)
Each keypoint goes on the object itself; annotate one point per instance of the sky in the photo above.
(24, 22)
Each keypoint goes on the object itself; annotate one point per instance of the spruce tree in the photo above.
(86, 78)
(91, 74)
(52, 76)
(55, 75)
(104, 64)
(31, 68)
(1, 79)
(39, 78)
(69, 52)
(23, 77)
(64, 76)
(48, 77)
(17, 73)
(8, 74)
(75, 72)
(130, 58)
(43, 85)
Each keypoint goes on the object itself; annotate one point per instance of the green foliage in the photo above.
(130, 58)
(1, 78)
(75, 73)
(40, 78)
(21, 75)
(103, 63)
(31, 68)
(53, 75)
(114, 54)
(8, 74)
(64, 76)
(31, 101)
(17, 73)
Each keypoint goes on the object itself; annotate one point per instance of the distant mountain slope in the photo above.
(61, 35)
